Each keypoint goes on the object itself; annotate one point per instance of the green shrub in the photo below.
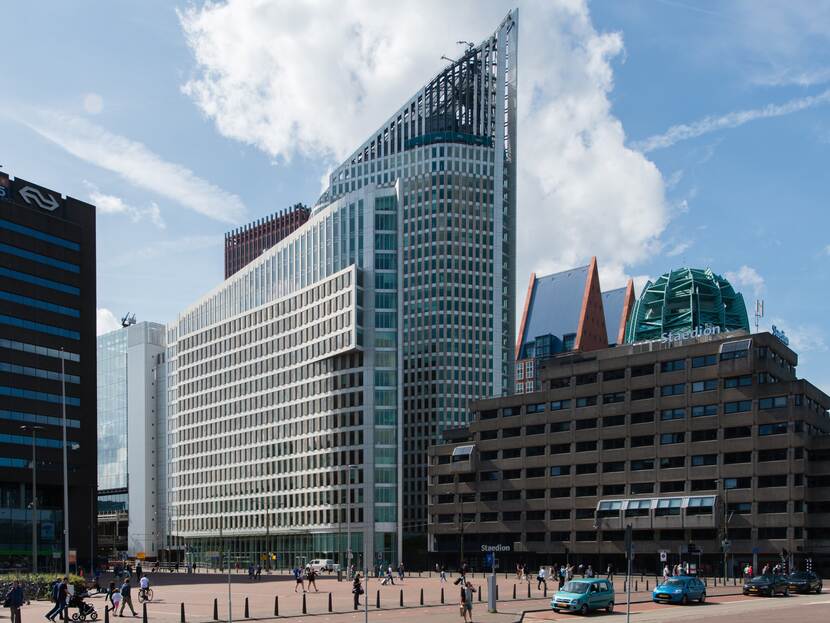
(38, 586)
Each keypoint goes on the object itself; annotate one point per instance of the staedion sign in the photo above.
(495, 548)
(679, 336)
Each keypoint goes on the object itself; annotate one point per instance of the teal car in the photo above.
(584, 595)
(680, 589)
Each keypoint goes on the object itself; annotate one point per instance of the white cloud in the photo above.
(291, 80)
(804, 338)
(827, 249)
(168, 248)
(93, 103)
(746, 277)
(136, 164)
(110, 204)
(679, 249)
(683, 132)
(106, 321)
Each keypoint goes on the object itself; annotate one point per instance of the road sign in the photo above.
(756, 550)
(664, 555)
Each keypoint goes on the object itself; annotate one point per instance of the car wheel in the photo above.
(610, 608)
(556, 610)
(584, 610)
(702, 597)
(818, 590)
(685, 600)
(786, 592)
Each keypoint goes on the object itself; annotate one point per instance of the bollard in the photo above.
(545, 594)
(636, 586)
(305, 609)
(479, 592)
(144, 612)
(181, 618)
(646, 585)
(624, 586)
(528, 590)
(377, 600)
(247, 616)
(442, 594)
(66, 615)
(497, 592)
(422, 596)
(215, 610)
(330, 609)
(514, 591)
(276, 605)
(401, 600)
(106, 614)
(734, 581)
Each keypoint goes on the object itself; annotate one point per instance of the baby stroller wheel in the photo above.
(94, 616)
(76, 616)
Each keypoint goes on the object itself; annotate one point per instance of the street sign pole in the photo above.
(628, 547)
(491, 585)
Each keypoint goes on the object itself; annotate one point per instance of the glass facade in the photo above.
(112, 410)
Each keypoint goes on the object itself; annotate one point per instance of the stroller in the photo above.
(85, 610)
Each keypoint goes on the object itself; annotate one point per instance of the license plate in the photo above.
(753, 590)
(662, 596)
(560, 604)
(793, 586)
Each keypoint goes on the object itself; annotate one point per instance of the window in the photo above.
(584, 513)
(773, 480)
(772, 507)
(536, 429)
(560, 492)
(586, 468)
(672, 486)
(560, 470)
(587, 491)
(489, 496)
(772, 429)
(535, 516)
(613, 444)
(585, 446)
(538, 407)
(637, 508)
(560, 513)
(489, 434)
(704, 360)
(673, 366)
(739, 508)
(773, 402)
(668, 506)
(704, 484)
(735, 350)
(677, 389)
(707, 434)
(642, 417)
(609, 508)
(638, 465)
(511, 432)
(508, 496)
(511, 411)
(584, 424)
(698, 460)
(670, 438)
(485, 517)
(488, 455)
(511, 453)
(559, 383)
(704, 410)
(560, 536)
(560, 448)
(535, 472)
(560, 427)
(737, 381)
(613, 420)
(534, 494)
(642, 394)
(642, 370)
(613, 489)
(535, 451)
(642, 487)
(700, 506)
(613, 398)
(672, 414)
(642, 440)
(558, 405)
(765, 377)
(511, 474)
(739, 406)
(488, 475)
(586, 401)
(775, 454)
(735, 432)
(707, 385)
(613, 375)
(737, 483)
(586, 535)
(511, 516)
(730, 458)
(668, 462)
(774, 533)
(586, 379)
(613, 466)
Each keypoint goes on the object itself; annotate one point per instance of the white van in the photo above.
(323, 564)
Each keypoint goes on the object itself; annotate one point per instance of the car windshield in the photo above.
(799, 575)
(762, 578)
(674, 582)
(576, 587)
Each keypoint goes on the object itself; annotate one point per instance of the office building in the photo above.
(357, 339)
(245, 244)
(132, 455)
(47, 344)
(710, 440)
(567, 311)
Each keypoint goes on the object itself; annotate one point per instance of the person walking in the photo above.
(541, 579)
(126, 597)
(138, 570)
(298, 579)
(562, 572)
(311, 577)
(665, 573)
(357, 589)
(400, 571)
(14, 600)
(258, 572)
(54, 592)
(467, 601)
(609, 572)
(61, 595)
(114, 597)
(443, 574)
(589, 572)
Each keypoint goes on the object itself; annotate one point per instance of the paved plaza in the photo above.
(198, 591)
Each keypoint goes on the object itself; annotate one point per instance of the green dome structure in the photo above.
(684, 300)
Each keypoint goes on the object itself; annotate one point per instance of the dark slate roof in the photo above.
(555, 304)
(612, 304)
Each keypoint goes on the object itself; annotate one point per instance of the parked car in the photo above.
(584, 595)
(320, 565)
(769, 585)
(679, 589)
(804, 582)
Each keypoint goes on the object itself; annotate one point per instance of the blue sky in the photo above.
(653, 133)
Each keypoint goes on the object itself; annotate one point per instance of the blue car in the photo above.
(680, 589)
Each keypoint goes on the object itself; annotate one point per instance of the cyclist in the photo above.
(144, 585)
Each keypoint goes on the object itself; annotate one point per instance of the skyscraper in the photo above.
(47, 344)
(305, 390)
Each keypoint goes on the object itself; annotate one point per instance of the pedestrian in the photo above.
(443, 573)
(665, 573)
(258, 574)
(138, 570)
(60, 593)
(53, 594)
(609, 572)
(126, 597)
(561, 577)
(519, 571)
(251, 572)
(467, 601)
(311, 576)
(298, 579)
(14, 600)
(357, 589)
(540, 579)
(589, 572)
(114, 595)
(581, 569)
(400, 571)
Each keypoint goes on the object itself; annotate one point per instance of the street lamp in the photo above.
(34, 429)
(65, 469)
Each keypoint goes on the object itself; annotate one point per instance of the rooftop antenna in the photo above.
(127, 320)
(447, 58)
(759, 312)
